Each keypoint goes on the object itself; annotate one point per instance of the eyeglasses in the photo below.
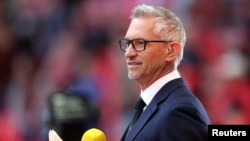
(137, 44)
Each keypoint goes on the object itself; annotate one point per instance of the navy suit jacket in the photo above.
(174, 114)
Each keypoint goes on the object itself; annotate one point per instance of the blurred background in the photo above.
(54, 50)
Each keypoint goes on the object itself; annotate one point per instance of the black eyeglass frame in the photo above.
(144, 43)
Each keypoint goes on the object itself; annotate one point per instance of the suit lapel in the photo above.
(164, 92)
(141, 122)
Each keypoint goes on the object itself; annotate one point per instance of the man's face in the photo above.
(148, 65)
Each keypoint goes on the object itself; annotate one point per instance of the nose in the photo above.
(130, 51)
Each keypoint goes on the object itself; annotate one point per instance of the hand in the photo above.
(53, 136)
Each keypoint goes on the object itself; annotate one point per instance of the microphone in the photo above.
(93, 135)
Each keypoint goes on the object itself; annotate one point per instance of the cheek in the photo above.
(154, 61)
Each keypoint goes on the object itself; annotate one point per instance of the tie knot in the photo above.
(140, 104)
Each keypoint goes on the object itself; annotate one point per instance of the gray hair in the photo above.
(167, 25)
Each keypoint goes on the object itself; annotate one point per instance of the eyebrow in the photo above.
(138, 38)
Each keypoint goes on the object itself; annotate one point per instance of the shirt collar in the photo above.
(148, 94)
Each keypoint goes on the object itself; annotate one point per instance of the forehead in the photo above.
(141, 27)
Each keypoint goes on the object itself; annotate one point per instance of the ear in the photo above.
(172, 51)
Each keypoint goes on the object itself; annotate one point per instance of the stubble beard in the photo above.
(132, 76)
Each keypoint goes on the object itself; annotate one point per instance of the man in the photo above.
(153, 47)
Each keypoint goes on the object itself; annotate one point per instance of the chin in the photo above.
(133, 76)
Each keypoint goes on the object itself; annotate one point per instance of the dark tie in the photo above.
(140, 104)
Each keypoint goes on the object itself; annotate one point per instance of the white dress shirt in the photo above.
(148, 94)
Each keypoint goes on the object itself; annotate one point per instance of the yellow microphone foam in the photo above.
(93, 135)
